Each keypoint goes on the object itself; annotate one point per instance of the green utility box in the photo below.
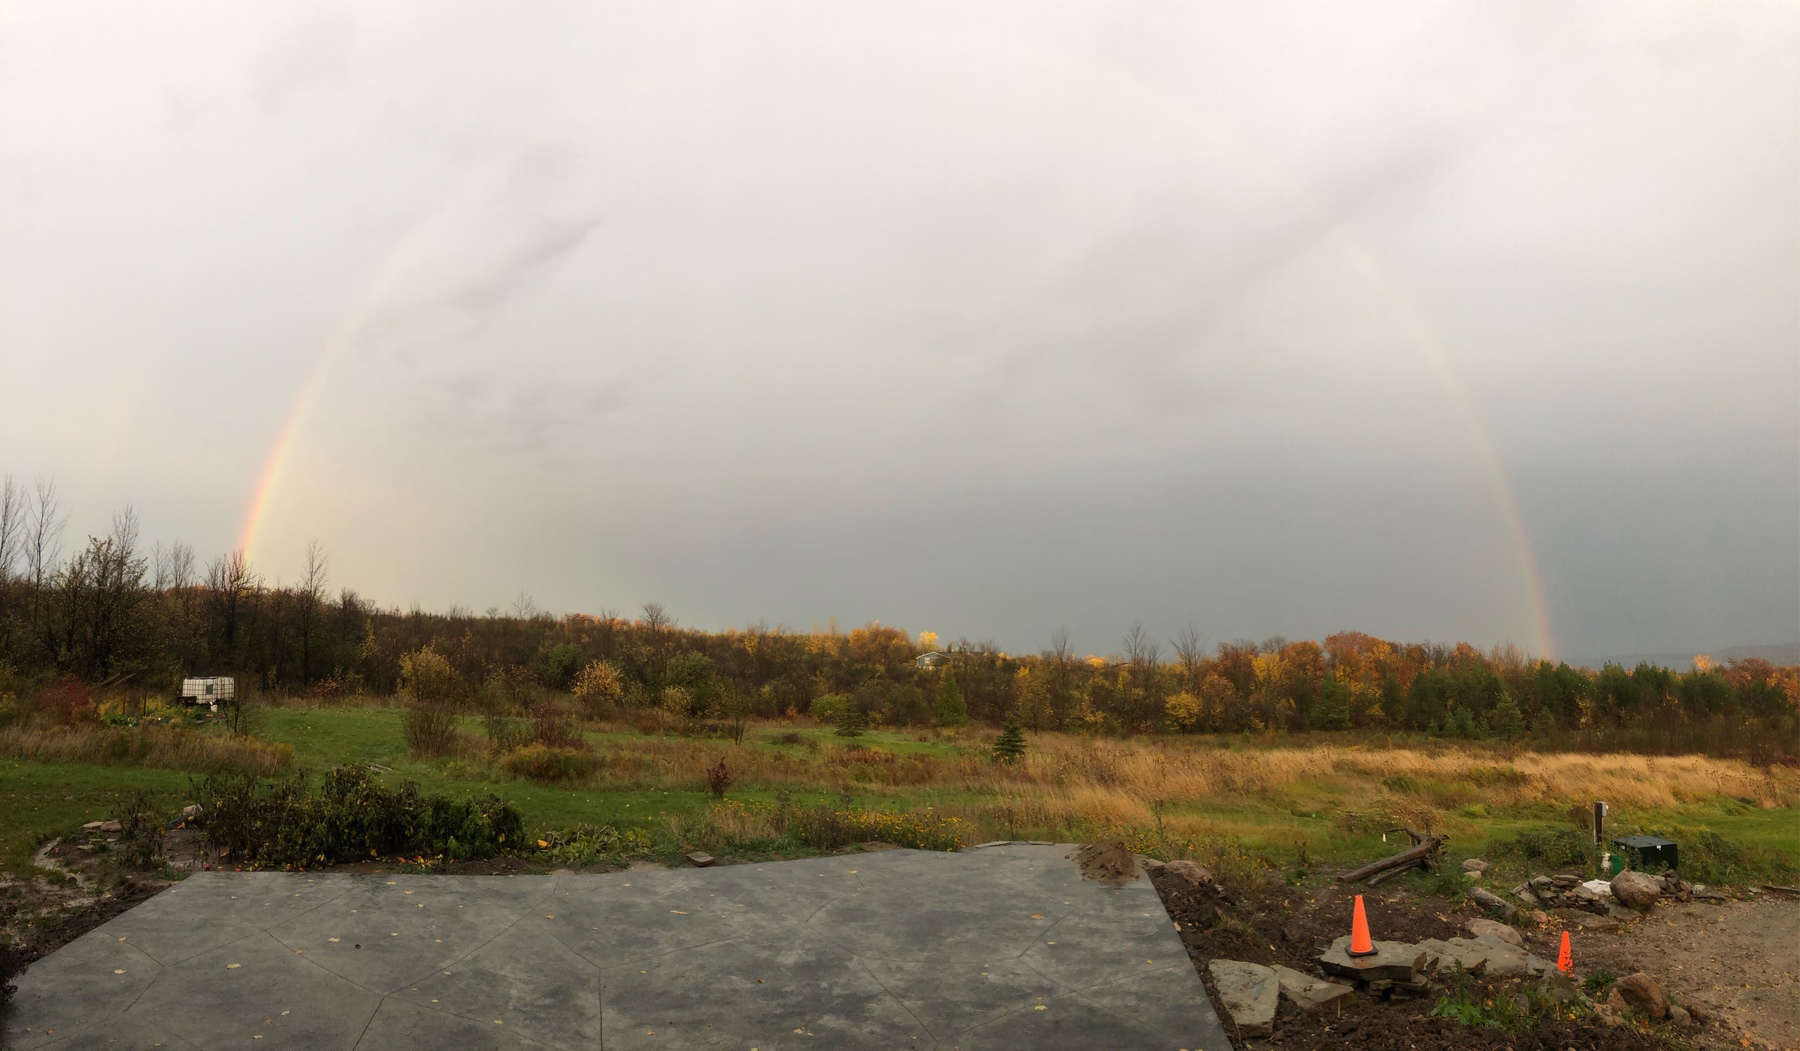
(1646, 853)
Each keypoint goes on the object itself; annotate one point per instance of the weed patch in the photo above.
(548, 765)
(176, 748)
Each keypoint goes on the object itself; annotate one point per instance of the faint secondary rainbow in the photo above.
(1217, 134)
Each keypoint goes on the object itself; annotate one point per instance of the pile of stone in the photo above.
(1627, 890)
(1251, 992)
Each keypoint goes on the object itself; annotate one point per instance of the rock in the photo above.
(1612, 1012)
(1619, 912)
(1564, 880)
(1194, 873)
(91, 826)
(111, 826)
(1442, 956)
(1636, 889)
(1539, 917)
(1249, 993)
(1392, 961)
(1680, 1016)
(1492, 902)
(1476, 866)
(1541, 882)
(1524, 894)
(1504, 932)
(701, 859)
(1697, 1013)
(1148, 864)
(190, 812)
(1306, 991)
(1644, 993)
(1504, 960)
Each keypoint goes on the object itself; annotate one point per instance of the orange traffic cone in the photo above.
(1360, 942)
(1565, 961)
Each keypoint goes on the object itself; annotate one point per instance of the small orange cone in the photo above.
(1360, 942)
(1565, 961)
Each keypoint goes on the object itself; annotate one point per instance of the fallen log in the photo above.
(1381, 877)
(1424, 849)
(1781, 890)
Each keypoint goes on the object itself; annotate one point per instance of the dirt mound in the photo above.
(1107, 862)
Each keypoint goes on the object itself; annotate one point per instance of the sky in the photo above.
(1447, 321)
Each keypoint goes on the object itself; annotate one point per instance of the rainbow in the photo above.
(1221, 137)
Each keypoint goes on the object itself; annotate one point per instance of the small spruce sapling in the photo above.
(853, 722)
(1010, 746)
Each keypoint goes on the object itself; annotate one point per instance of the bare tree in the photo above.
(311, 596)
(1190, 650)
(1061, 658)
(43, 537)
(1141, 651)
(173, 567)
(525, 607)
(12, 525)
(229, 582)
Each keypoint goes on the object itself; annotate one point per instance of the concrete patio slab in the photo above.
(999, 947)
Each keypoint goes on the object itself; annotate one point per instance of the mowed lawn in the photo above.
(1287, 809)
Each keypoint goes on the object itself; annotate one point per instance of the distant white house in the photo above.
(211, 691)
(931, 660)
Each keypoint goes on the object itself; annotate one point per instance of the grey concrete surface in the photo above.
(1001, 947)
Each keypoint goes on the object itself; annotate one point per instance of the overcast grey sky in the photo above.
(1444, 320)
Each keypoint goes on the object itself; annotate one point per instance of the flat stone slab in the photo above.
(1249, 992)
(1309, 992)
(1005, 947)
(1391, 961)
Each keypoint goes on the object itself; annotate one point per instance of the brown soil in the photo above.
(42, 914)
(1273, 923)
(1108, 862)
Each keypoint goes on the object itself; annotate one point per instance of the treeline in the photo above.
(115, 615)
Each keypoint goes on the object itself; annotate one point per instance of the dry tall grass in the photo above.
(171, 747)
(1068, 783)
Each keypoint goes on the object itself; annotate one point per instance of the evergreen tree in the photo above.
(1506, 719)
(1010, 746)
(1460, 723)
(1332, 712)
(950, 711)
(853, 722)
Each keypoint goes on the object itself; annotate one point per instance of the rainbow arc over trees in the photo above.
(1257, 166)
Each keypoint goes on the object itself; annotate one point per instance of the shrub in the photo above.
(430, 683)
(141, 831)
(718, 778)
(547, 763)
(1551, 847)
(598, 688)
(829, 707)
(351, 818)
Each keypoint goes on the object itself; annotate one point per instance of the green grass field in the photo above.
(1290, 809)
